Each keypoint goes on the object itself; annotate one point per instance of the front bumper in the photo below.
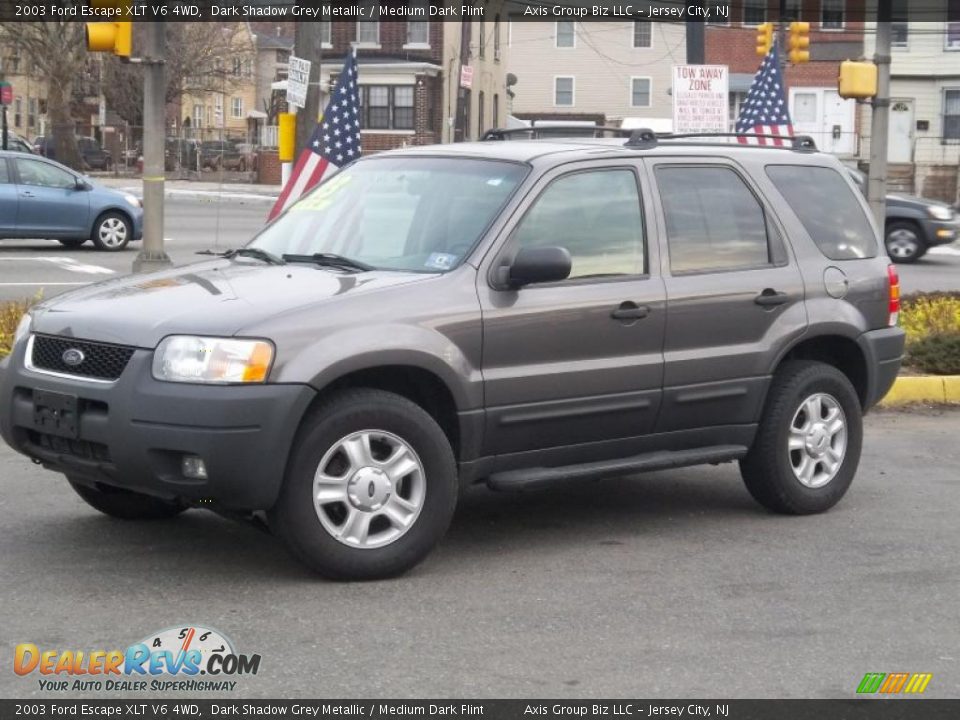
(941, 232)
(133, 433)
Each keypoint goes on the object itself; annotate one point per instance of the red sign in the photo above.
(6, 93)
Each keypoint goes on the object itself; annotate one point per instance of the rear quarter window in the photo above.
(828, 208)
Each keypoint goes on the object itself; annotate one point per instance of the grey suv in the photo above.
(508, 313)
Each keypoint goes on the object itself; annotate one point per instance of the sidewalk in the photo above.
(212, 191)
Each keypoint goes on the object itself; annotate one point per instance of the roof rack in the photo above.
(552, 130)
(643, 138)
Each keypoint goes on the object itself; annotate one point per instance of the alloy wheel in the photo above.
(817, 441)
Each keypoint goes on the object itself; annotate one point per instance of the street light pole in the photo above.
(879, 131)
(152, 255)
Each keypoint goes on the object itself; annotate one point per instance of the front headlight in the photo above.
(23, 328)
(191, 359)
(940, 212)
(133, 200)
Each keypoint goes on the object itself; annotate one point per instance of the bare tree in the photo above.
(57, 49)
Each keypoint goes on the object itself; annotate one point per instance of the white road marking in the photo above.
(68, 264)
(944, 250)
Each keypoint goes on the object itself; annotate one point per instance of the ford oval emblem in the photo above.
(73, 357)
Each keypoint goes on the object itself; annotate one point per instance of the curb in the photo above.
(938, 389)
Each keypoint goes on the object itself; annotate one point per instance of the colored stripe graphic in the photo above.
(893, 683)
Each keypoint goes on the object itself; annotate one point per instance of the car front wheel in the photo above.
(808, 444)
(112, 232)
(371, 487)
(904, 244)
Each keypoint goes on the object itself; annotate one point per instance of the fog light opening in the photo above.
(193, 467)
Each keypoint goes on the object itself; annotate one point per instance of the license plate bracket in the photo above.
(56, 414)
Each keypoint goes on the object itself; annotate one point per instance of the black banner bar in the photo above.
(146, 709)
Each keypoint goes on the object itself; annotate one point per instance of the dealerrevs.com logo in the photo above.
(170, 660)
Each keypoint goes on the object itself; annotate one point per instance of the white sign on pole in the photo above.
(701, 98)
(298, 77)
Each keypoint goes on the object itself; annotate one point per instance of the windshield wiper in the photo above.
(330, 260)
(250, 252)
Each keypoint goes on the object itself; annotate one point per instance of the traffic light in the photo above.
(857, 80)
(764, 38)
(799, 42)
(115, 37)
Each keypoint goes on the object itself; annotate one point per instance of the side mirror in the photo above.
(83, 184)
(539, 264)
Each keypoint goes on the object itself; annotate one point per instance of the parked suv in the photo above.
(508, 313)
(92, 155)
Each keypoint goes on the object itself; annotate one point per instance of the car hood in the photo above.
(219, 297)
(916, 200)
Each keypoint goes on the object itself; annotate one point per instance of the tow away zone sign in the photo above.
(700, 98)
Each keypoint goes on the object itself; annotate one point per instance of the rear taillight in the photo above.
(893, 285)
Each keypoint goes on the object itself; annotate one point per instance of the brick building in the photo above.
(836, 34)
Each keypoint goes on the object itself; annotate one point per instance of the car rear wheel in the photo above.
(808, 444)
(112, 232)
(72, 243)
(904, 243)
(126, 504)
(371, 487)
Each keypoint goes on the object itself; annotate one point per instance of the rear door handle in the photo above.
(630, 311)
(770, 297)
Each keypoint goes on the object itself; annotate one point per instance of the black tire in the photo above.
(768, 468)
(108, 223)
(126, 504)
(296, 519)
(72, 243)
(905, 242)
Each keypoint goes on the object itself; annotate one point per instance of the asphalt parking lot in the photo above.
(672, 584)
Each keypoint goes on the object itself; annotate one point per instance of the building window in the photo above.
(198, 115)
(496, 37)
(953, 25)
(31, 112)
(642, 34)
(237, 67)
(483, 39)
(951, 115)
(15, 63)
(283, 57)
(563, 91)
(386, 107)
(236, 107)
(831, 14)
(495, 119)
(368, 31)
(480, 118)
(566, 34)
(754, 12)
(794, 10)
(18, 112)
(418, 31)
(326, 36)
(248, 67)
(640, 92)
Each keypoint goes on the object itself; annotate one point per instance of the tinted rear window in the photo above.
(828, 208)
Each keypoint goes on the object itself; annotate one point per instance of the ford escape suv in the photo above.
(509, 313)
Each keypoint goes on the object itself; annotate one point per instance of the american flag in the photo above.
(765, 109)
(334, 143)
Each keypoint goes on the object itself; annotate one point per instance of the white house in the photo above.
(600, 71)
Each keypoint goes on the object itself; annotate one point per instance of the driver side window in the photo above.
(596, 216)
(41, 174)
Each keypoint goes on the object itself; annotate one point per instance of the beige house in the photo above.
(227, 101)
(26, 115)
(923, 148)
(484, 104)
(598, 71)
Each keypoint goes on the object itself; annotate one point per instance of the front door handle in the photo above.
(770, 297)
(27, 193)
(630, 311)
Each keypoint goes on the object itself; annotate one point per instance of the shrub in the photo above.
(10, 314)
(925, 314)
(937, 354)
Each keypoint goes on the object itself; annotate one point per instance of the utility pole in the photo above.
(307, 45)
(696, 40)
(152, 255)
(880, 123)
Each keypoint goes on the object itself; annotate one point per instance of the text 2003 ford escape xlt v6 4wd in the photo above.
(501, 312)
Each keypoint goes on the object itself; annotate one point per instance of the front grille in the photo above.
(100, 360)
(84, 449)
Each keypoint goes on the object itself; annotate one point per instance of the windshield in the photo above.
(401, 213)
